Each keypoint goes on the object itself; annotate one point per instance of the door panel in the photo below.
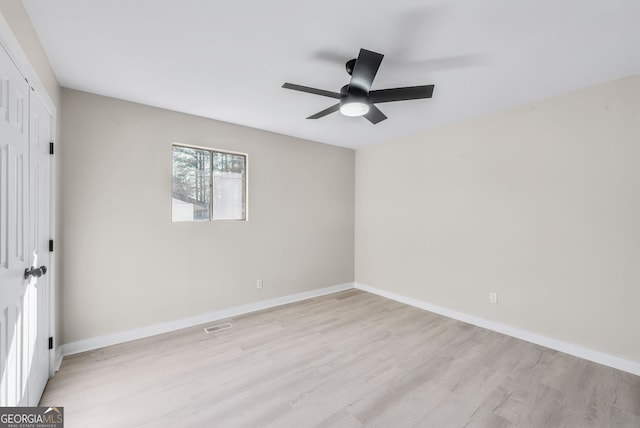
(14, 146)
(37, 304)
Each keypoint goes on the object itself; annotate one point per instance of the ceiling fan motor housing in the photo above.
(351, 94)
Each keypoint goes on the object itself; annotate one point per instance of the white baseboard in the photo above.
(58, 361)
(558, 345)
(139, 333)
(152, 330)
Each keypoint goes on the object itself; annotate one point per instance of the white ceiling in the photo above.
(228, 60)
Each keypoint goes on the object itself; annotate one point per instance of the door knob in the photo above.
(34, 271)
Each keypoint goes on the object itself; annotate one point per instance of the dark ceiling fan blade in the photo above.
(365, 70)
(375, 115)
(401, 94)
(311, 90)
(325, 112)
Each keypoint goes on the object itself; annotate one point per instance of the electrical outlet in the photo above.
(259, 284)
(493, 298)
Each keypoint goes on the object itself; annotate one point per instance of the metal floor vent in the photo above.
(218, 327)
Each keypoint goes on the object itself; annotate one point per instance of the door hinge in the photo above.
(51, 148)
(51, 245)
(51, 343)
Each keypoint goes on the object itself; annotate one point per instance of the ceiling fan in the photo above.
(357, 98)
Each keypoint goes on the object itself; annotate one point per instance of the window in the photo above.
(208, 185)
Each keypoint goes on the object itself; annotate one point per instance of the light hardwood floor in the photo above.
(350, 359)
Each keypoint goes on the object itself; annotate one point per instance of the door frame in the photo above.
(12, 46)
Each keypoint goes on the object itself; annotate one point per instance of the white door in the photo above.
(36, 306)
(23, 325)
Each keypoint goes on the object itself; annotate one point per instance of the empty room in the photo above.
(334, 214)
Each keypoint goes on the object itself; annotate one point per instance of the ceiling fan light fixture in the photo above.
(354, 108)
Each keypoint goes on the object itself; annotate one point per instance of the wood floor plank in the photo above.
(350, 359)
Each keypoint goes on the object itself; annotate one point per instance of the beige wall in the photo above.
(16, 16)
(540, 204)
(132, 267)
